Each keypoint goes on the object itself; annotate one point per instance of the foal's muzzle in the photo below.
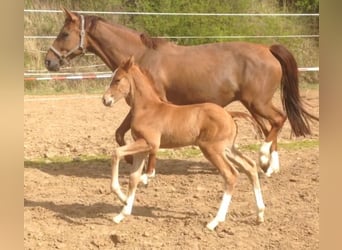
(107, 101)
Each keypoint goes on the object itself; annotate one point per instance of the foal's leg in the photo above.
(136, 147)
(248, 166)
(120, 134)
(120, 139)
(138, 164)
(229, 174)
(150, 170)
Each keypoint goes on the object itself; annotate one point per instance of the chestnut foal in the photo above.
(159, 124)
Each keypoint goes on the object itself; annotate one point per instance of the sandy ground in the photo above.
(69, 205)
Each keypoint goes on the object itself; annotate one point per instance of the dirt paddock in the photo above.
(68, 205)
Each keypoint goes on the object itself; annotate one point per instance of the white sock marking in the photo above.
(274, 164)
(265, 153)
(144, 179)
(126, 210)
(153, 174)
(260, 204)
(221, 213)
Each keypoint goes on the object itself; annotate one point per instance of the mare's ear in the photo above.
(69, 15)
(128, 64)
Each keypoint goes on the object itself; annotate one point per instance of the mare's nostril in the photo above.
(47, 62)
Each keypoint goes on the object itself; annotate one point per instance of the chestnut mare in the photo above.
(158, 124)
(217, 72)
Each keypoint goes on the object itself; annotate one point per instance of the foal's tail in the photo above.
(298, 116)
(248, 117)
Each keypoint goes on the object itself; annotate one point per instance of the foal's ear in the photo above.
(129, 63)
(69, 15)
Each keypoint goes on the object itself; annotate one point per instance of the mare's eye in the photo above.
(115, 81)
(64, 34)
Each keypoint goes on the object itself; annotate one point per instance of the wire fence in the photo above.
(93, 73)
(174, 13)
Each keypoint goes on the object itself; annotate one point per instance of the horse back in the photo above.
(216, 72)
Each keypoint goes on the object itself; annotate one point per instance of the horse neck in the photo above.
(114, 43)
(143, 94)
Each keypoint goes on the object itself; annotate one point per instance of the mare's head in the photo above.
(69, 43)
(120, 86)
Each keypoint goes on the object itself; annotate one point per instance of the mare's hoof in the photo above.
(144, 179)
(264, 163)
(129, 159)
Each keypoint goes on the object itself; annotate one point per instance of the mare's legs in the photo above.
(269, 158)
(150, 170)
(216, 156)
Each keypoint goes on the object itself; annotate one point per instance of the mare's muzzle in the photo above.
(53, 65)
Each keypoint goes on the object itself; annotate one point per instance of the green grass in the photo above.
(291, 146)
(65, 87)
(67, 159)
(190, 152)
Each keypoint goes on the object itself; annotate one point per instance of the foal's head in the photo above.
(120, 85)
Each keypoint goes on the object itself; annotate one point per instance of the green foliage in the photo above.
(305, 49)
(196, 25)
(304, 6)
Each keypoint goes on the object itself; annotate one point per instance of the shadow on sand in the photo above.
(101, 168)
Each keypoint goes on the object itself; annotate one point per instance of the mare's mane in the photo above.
(147, 40)
(152, 42)
(93, 20)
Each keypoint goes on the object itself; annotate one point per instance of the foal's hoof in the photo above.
(260, 221)
(212, 225)
(117, 219)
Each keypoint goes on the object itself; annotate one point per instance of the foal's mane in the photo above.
(152, 42)
(157, 88)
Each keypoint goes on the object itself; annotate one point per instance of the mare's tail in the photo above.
(248, 117)
(298, 116)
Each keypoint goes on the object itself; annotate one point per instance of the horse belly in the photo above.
(180, 138)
